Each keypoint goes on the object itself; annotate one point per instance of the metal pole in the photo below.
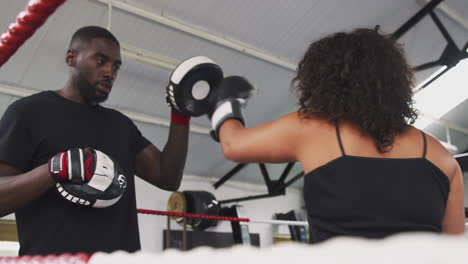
(228, 175)
(416, 18)
(184, 235)
(168, 233)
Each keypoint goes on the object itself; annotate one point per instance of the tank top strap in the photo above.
(338, 136)
(425, 144)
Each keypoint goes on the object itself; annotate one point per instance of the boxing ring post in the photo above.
(184, 234)
(168, 232)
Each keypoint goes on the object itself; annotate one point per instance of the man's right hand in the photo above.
(75, 165)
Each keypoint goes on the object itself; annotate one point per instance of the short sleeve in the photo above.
(140, 140)
(16, 147)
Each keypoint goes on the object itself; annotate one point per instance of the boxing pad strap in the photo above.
(180, 119)
(229, 109)
(57, 162)
(68, 165)
(75, 165)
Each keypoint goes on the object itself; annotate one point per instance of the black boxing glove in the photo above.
(228, 101)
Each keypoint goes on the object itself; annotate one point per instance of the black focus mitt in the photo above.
(191, 85)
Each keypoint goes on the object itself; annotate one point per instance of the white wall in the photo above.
(152, 226)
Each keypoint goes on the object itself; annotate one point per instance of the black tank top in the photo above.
(374, 197)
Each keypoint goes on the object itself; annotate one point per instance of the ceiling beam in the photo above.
(147, 57)
(449, 12)
(203, 34)
(13, 90)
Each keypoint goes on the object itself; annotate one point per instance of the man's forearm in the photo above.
(18, 190)
(174, 156)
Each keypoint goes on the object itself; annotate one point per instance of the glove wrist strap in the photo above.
(58, 167)
(230, 109)
(180, 119)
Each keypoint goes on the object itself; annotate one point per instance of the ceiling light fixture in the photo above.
(444, 94)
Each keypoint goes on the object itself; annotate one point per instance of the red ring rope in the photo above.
(26, 23)
(81, 258)
(64, 258)
(200, 216)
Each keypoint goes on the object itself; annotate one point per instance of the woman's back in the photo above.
(362, 192)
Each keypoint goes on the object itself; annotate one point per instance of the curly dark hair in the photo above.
(362, 77)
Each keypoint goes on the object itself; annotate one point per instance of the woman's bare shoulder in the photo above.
(441, 157)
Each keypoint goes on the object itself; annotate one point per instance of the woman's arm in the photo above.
(454, 219)
(272, 142)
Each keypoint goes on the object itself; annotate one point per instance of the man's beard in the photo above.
(89, 91)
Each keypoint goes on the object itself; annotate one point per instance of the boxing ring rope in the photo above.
(26, 23)
(81, 258)
(223, 218)
(242, 221)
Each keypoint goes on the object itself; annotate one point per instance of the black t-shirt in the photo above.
(35, 128)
